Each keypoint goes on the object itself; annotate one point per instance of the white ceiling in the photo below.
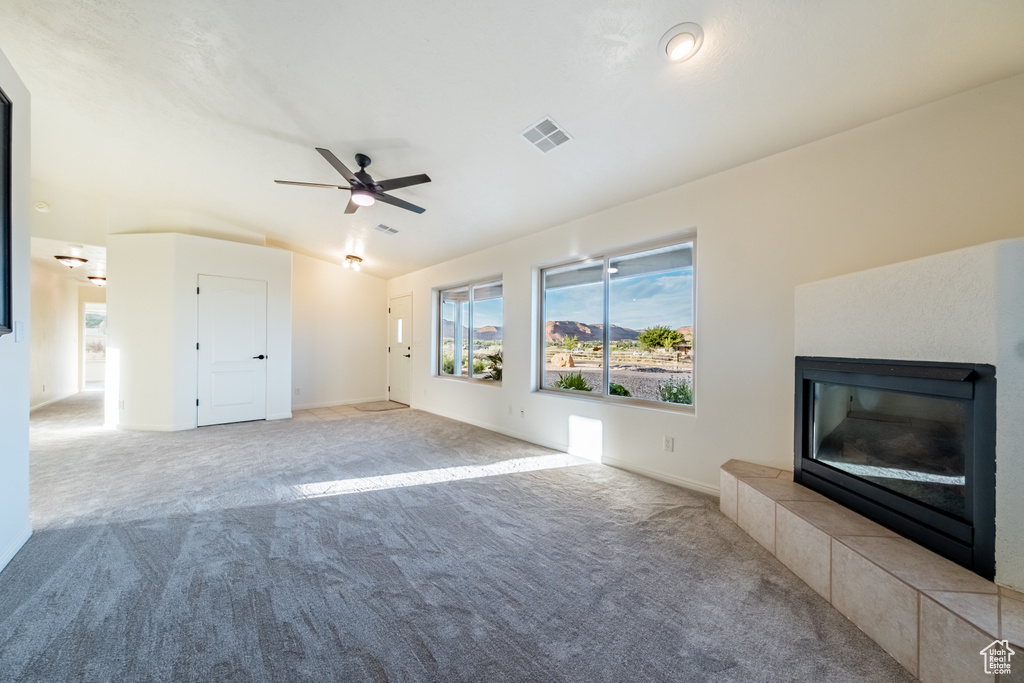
(197, 105)
(44, 250)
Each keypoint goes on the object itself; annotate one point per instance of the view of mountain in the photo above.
(557, 330)
(486, 333)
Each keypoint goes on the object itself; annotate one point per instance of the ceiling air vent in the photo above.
(386, 229)
(545, 135)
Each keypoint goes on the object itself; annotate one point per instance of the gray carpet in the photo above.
(194, 556)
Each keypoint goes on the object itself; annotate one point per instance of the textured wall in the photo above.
(339, 320)
(54, 342)
(961, 306)
(15, 527)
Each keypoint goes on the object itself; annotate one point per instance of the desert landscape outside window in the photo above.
(470, 343)
(622, 325)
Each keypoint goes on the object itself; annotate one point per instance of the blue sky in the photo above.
(636, 302)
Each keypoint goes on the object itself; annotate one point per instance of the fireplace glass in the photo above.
(911, 444)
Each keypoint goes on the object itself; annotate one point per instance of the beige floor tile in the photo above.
(1010, 593)
(786, 474)
(1013, 624)
(305, 416)
(332, 416)
(917, 566)
(805, 549)
(780, 489)
(836, 520)
(981, 610)
(740, 468)
(727, 494)
(321, 411)
(755, 513)
(950, 647)
(346, 410)
(881, 605)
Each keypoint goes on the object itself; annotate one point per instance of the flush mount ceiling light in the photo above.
(97, 280)
(681, 42)
(353, 262)
(72, 261)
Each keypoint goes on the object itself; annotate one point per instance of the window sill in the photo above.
(467, 380)
(622, 401)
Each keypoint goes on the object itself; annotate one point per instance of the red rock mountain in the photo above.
(557, 330)
(487, 333)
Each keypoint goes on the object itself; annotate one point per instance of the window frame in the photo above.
(469, 285)
(688, 237)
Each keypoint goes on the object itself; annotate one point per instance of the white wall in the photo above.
(339, 332)
(152, 310)
(943, 176)
(963, 306)
(54, 339)
(15, 527)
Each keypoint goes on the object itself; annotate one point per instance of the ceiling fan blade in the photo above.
(352, 206)
(395, 201)
(336, 163)
(395, 183)
(295, 182)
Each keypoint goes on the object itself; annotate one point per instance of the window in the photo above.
(621, 326)
(470, 331)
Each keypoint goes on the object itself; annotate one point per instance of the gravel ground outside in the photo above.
(640, 383)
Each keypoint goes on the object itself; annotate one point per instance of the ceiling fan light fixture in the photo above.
(97, 280)
(362, 198)
(681, 42)
(72, 261)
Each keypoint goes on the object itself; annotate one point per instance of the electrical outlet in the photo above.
(522, 413)
(120, 404)
(44, 388)
(510, 410)
(670, 444)
(298, 392)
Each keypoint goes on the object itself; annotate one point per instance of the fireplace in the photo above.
(910, 445)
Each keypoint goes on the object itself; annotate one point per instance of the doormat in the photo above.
(378, 406)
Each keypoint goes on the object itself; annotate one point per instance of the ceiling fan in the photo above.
(365, 190)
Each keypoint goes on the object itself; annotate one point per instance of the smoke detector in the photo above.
(545, 135)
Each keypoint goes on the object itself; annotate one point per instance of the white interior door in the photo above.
(399, 348)
(232, 350)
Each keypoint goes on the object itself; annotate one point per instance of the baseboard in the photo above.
(342, 402)
(156, 428)
(52, 400)
(661, 476)
(11, 550)
(564, 448)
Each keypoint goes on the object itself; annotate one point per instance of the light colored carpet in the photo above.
(378, 406)
(207, 555)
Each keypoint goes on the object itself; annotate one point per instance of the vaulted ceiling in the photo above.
(197, 106)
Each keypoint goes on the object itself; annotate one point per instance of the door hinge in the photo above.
(197, 290)
(389, 349)
(389, 389)
(197, 346)
(197, 401)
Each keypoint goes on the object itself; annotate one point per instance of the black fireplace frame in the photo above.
(970, 541)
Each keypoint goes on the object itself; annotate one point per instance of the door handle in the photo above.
(259, 357)
(408, 355)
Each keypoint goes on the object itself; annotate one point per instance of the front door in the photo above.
(399, 348)
(232, 350)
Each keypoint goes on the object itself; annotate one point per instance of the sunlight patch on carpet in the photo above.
(405, 479)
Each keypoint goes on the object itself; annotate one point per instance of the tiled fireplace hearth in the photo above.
(933, 616)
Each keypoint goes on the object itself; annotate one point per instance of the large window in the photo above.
(470, 331)
(621, 326)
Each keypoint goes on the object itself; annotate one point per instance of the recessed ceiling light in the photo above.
(681, 42)
(72, 261)
(42, 207)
